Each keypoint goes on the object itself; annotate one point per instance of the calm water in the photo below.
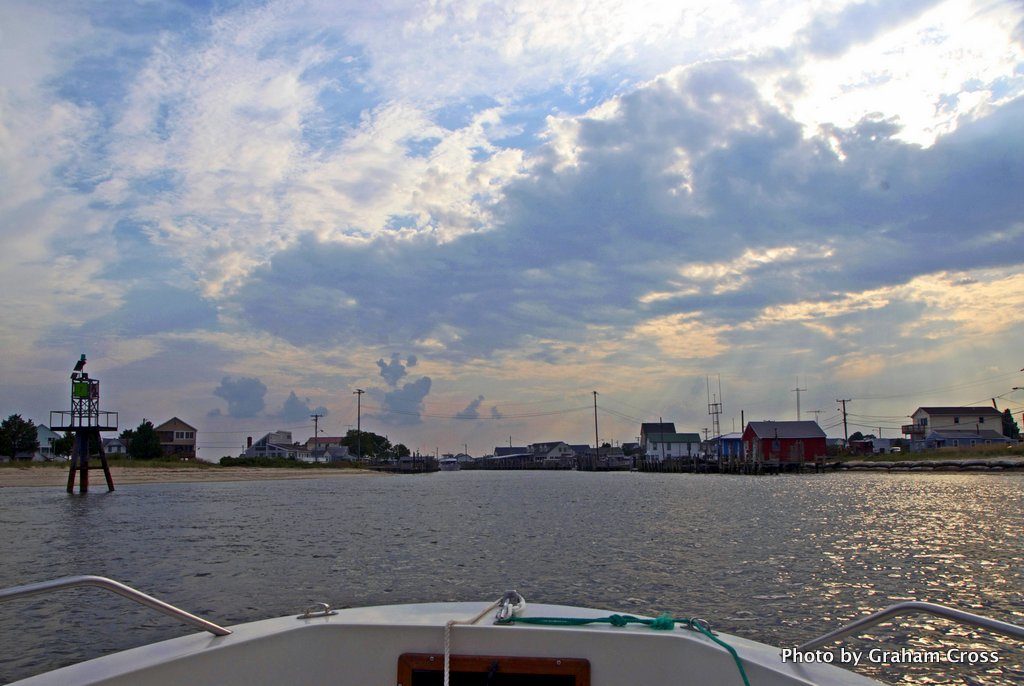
(775, 559)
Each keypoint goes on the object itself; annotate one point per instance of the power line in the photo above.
(957, 386)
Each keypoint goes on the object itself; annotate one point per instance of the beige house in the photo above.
(177, 439)
(954, 427)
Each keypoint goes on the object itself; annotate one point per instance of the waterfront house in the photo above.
(581, 449)
(506, 451)
(728, 446)
(551, 450)
(552, 454)
(648, 428)
(662, 446)
(783, 443)
(336, 453)
(323, 442)
(45, 437)
(279, 444)
(955, 427)
(319, 445)
(114, 446)
(177, 439)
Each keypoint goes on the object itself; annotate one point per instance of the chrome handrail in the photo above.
(911, 608)
(117, 587)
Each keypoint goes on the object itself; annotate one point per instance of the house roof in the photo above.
(173, 422)
(960, 434)
(734, 436)
(979, 411)
(547, 445)
(806, 429)
(673, 438)
(502, 451)
(648, 428)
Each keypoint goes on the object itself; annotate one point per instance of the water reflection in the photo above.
(777, 559)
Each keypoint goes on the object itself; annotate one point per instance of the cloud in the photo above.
(495, 413)
(404, 406)
(523, 197)
(394, 370)
(244, 395)
(152, 309)
(295, 410)
(471, 411)
(689, 196)
(832, 34)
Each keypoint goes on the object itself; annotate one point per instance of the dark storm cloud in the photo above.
(244, 396)
(692, 169)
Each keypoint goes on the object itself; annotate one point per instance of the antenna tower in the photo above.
(715, 410)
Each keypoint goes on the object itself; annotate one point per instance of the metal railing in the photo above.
(118, 588)
(913, 608)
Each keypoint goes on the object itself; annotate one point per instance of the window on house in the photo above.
(981, 420)
(956, 420)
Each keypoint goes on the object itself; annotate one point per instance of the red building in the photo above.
(783, 442)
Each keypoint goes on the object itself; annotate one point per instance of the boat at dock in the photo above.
(500, 642)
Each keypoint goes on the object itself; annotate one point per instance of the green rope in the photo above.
(661, 623)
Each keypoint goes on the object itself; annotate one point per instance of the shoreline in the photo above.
(27, 477)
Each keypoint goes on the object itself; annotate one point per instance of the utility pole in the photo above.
(597, 446)
(358, 393)
(846, 434)
(797, 391)
(816, 413)
(316, 436)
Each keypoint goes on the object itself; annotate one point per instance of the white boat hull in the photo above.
(361, 647)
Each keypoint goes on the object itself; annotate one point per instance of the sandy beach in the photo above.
(57, 475)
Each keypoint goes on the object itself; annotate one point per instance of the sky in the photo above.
(482, 212)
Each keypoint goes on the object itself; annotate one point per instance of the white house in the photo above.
(46, 438)
(114, 446)
(661, 446)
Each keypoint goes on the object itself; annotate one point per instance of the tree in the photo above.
(401, 450)
(126, 437)
(1010, 428)
(18, 435)
(145, 442)
(64, 445)
(856, 436)
(368, 443)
